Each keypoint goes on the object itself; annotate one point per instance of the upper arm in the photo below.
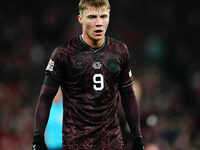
(54, 69)
(126, 77)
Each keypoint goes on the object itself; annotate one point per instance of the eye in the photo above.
(91, 16)
(104, 16)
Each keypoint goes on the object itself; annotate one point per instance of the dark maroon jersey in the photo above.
(90, 80)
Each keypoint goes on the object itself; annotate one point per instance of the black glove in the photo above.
(138, 143)
(38, 143)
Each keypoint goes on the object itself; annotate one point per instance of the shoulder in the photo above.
(67, 47)
(117, 44)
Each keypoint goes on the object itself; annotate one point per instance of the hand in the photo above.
(138, 143)
(38, 143)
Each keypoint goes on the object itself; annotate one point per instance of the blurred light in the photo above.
(154, 48)
(37, 54)
(152, 120)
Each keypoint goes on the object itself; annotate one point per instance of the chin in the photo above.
(98, 38)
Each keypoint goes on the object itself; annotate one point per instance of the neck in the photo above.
(93, 43)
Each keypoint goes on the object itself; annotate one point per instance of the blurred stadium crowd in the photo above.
(163, 39)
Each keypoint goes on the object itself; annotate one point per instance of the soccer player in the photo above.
(93, 71)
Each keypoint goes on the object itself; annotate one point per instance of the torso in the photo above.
(90, 95)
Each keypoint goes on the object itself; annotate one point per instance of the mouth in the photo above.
(98, 31)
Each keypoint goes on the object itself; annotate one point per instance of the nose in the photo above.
(99, 22)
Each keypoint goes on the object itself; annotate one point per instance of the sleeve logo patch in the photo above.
(50, 65)
(130, 73)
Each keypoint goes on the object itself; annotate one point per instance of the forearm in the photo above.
(43, 107)
(131, 110)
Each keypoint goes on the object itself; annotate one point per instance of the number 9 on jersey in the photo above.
(98, 82)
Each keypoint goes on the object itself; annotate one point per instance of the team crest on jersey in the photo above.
(112, 65)
(97, 65)
(79, 64)
(50, 65)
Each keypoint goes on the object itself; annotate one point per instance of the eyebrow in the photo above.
(104, 15)
(93, 16)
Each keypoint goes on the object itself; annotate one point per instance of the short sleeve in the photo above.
(54, 68)
(126, 77)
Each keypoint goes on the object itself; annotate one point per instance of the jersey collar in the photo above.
(95, 50)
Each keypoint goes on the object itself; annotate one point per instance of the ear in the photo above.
(80, 19)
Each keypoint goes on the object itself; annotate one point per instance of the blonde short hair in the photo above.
(83, 4)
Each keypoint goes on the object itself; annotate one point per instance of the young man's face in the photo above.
(94, 22)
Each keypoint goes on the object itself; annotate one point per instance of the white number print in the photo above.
(98, 82)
